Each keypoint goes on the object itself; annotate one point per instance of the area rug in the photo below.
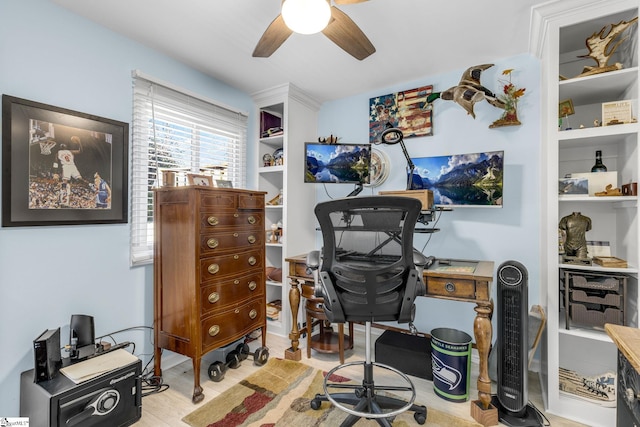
(279, 394)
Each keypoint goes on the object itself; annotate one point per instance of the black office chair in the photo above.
(367, 273)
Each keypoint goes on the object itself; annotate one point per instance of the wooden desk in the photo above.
(457, 280)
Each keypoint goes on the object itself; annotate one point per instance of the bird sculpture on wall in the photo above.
(469, 91)
(602, 47)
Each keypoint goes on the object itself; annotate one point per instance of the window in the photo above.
(176, 130)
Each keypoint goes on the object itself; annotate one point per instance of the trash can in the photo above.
(451, 364)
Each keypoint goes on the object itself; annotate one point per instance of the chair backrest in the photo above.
(367, 270)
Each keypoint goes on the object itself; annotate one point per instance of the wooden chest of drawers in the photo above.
(209, 270)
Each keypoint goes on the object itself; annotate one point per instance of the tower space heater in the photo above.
(512, 347)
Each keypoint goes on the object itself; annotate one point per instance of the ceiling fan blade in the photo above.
(277, 32)
(346, 34)
(349, 1)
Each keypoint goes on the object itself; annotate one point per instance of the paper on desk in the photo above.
(96, 366)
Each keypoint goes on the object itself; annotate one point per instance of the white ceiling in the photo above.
(413, 39)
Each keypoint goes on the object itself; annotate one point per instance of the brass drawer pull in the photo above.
(253, 285)
(214, 330)
(236, 282)
(213, 268)
(235, 234)
(251, 219)
(450, 287)
(212, 220)
(236, 215)
(251, 239)
(213, 243)
(252, 260)
(236, 257)
(253, 314)
(214, 297)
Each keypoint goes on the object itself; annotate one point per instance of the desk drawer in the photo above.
(453, 288)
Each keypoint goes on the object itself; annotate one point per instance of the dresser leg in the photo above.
(198, 396)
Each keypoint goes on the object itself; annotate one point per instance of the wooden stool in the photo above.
(326, 340)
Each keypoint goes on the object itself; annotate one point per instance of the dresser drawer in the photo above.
(212, 243)
(219, 200)
(251, 201)
(217, 267)
(220, 295)
(451, 287)
(220, 220)
(230, 325)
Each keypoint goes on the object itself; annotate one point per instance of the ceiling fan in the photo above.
(340, 29)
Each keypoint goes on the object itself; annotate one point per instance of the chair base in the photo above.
(364, 401)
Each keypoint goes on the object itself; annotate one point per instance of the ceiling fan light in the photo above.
(306, 16)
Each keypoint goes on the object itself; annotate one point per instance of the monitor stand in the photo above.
(356, 190)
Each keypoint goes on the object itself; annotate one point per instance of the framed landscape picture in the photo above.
(462, 180)
(61, 167)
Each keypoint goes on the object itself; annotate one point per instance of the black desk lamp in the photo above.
(392, 136)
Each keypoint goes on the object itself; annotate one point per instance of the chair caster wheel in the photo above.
(420, 417)
(261, 356)
(216, 371)
(315, 404)
(359, 393)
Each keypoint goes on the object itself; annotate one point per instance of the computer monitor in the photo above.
(337, 163)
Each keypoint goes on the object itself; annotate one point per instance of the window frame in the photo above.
(208, 129)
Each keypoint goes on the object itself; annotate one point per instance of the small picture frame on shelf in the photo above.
(200, 180)
(223, 183)
(616, 113)
(565, 108)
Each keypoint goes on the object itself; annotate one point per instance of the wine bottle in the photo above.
(599, 166)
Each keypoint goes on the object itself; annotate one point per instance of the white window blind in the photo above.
(176, 130)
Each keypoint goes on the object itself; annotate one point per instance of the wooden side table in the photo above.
(326, 340)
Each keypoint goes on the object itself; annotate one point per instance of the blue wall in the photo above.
(495, 234)
(48, 273)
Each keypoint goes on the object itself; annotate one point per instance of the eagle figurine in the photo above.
(469, 91)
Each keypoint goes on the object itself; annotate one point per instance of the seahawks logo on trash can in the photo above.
(445, 373)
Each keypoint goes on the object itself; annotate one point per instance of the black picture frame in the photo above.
(56, 162)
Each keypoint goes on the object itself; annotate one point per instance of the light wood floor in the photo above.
(169, 407)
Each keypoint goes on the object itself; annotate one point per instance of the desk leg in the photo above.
(294, 353)
(482, 410)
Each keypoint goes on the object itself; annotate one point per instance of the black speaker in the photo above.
(82, 336)
(46, 352)
(512, 346)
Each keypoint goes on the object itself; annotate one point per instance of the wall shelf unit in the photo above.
(293, 114)
(559, 31)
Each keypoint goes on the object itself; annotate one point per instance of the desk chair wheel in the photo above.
(420, 417)
(315, 403)
(216, 371)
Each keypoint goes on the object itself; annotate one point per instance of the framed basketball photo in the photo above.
(61, 167)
